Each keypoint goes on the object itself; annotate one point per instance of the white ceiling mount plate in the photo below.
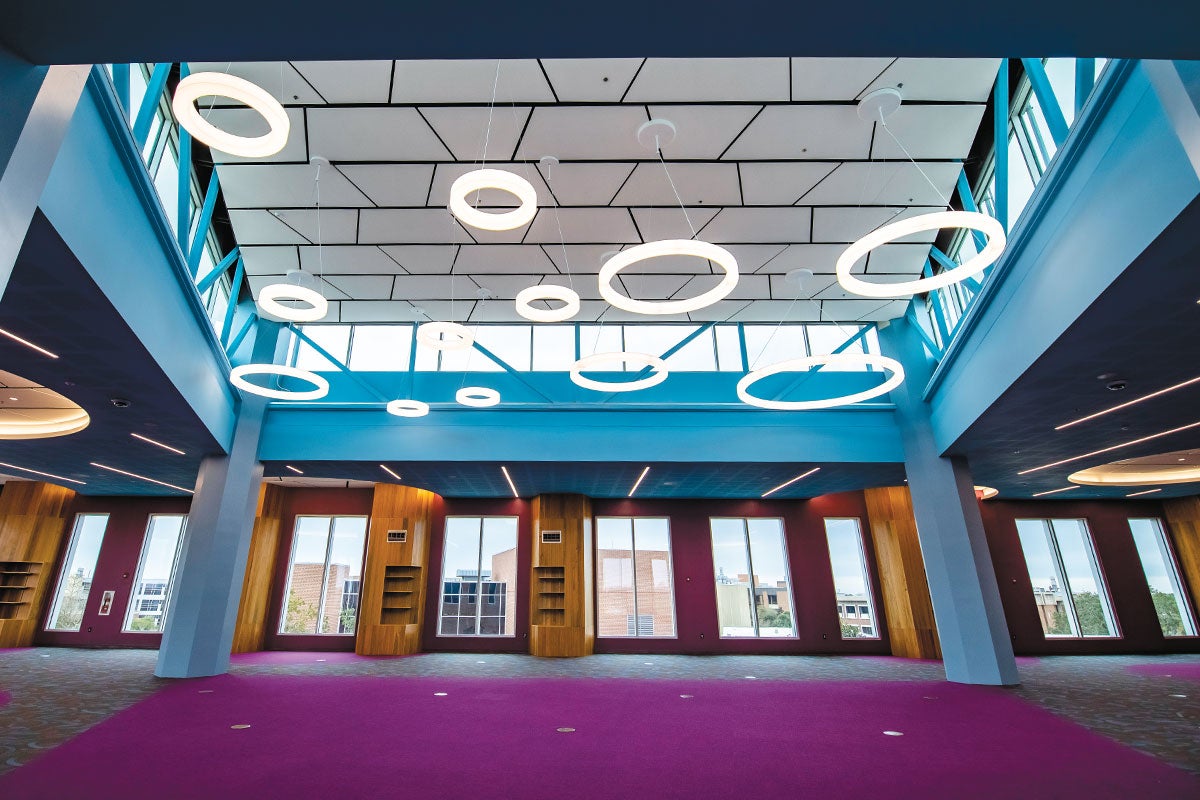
(238, 378)
(548, 161)
(217, 84)
(879, 104)
(799, 279)
(669, 247)
(269, 298)
(656, 133)
(320, 162)
(807, 362)
(549, 291)
(645, 359)
(445, 336)
(477, 397)
(505, 181)
(925, 222)
(407, 408)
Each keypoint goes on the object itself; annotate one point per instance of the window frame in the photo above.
(287, 586)
(787, 569)
(1106, 603)
(1167, 548)
(165, 598)
(633, 575)
(855, 609)
(68, 557)
(477, 592)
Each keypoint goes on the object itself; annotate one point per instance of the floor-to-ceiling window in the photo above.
(851, 582)
(754, 596)
(1162, 576)
(324, 576)
(634, 595)
(147, 610)
(479, 577)
(1068, 588)
(79, 567)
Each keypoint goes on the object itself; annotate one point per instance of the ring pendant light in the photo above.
(270, 295)
(925, 222)
(217, 84)
(548, 291)
(445, 335)
(807, 362)
(238, 378)
(407, 408)
(477, 396)
(644, 359)
(505, 181)
(669, 247)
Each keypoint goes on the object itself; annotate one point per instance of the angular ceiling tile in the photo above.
(672, 222)
(754, 225)
(702, 131)
(470, 81)
(698, 184)
(590, 80)
(928, 132)
(781, 183)
(268, 260)
(423, 259)
(585, 133)
(682, 80)
(834, 78)
(961, 79)
(348, 260)
(279, 78)
(285, 185)
(583, 226)
(586, 183)
(804, 132)
(391, 184)
(409, 226)
(889, 183)
(467, 129)
(348, 81)
(372, 134)
(248, 122)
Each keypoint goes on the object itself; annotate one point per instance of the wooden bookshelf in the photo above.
(561, 620)
(33, 523)
(18, 582)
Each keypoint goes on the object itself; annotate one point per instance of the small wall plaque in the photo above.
(397, 536)
(106, 603)
(551, 537)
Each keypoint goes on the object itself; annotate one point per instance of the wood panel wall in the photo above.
(562, 592)
(1183, 520)
(392, 601)
(33, 524)
(910, 621)
(251, 631)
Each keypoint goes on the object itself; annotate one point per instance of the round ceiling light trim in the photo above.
(505, 181)
(548, 291)
(239, 374)
(1136, 475)
(407, 408)
(445, 335)
(669, 247)
(625, 357)
(57, 415)
(807, 362)
(477, 397)
(986, 492)
(217, 84)
(925, 222)
(269, 298)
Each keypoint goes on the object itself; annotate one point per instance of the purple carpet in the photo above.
(500, 738)
(4, 698)
(276, 657)
(1188, 672)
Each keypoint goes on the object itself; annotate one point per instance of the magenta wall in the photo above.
(1108, 522)
(116, 569)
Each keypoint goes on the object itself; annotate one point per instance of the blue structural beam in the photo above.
(1086, 222)
(101, 201)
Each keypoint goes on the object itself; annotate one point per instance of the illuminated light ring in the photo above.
(407, 408)
(547, 291)
(238, 378)
(270, 295)
(645, 359)
(477, 396)
(62, 422)
(925, 222)
(833, 359)
(217, 84)
(433, 334)
(503, 180)
(1136, 475)
(669, 247)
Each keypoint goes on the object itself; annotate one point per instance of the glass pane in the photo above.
(1083, 578)
(152, 588)
(1158, 564)
(770, 344)
(1061, 74)
(510, 343)
(553, 347)
(695, 356)
(824, 339)
(850, 584)
(735, 610)
(652, 577)
(306, 575)
(614, 575)
(772, 594)
(166, 183)
(79, 568)
(1048, 584)
(333, 339)
(460, 560)
(381, 348)
(469, 360)
(601, 339)
(498, 587)
(729, 348)
(339, 612)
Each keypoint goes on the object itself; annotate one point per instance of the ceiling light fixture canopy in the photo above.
(480, 179)
(985, 492)
(217, 84)
(477, 396)
(445, 336)
(549, 291)
(645, 359)
(238, 378)
(807, 362)
(407, 408)
(925, 222)
(669, 247)
(269, 297)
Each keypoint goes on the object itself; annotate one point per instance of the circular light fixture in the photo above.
(645, 359)
(985, 492)
(56, 414)
(217, 84)
(407, 408)
(806, 362)
(1150, 471)
(477, 396)
(445, 335)
(547, 291)
(238, 378)
(505, 181)
(925, 222)
(669, 247)
(270, 295)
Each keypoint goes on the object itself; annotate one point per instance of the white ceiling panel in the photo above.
(506, 287)
(908, 258)
(683, 80)
(651, 287)
(372, 134)
(804, 132)
(248, 122)
(890, 183)
(843, 224)
(335, 225)
(349, 81)
(776, 310)
(707, 184)
(435, 287)
(752, 225)
(470, 81)
(586, 183)
(961, 79)
(383, 311)
(719, 311)
(701, 131)
(347, 260)
(749, 287)
(256, 226)
(409, 226)
(590, 80)
(835, 291)
(467, 129)
(446, 174)
(391, 184)
(670, 222)
(484, 259)
(579, 258)
(929, 132)
(362, 287)
(834, 78)
(279, 78)
(586, 286)
(781, 183)
(269, 260)
(751, 257)
(815, 257)
(584, 133)
(889, 310)
(423, 259)
(284, 185)
(784, 289)
(583, 225)
(854, 309)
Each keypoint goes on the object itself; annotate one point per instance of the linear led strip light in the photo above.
(1127, 404)
(142, 477)
(511, 485)
(43, 474)
(1055, 491)
(157, 443)
(27, 343)
(1102, 451)
(638, 482)
(389, 472)
(786, 484)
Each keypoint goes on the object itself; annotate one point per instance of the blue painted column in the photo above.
(962, 583)
(198, 634)
(36, 105)
(1177, 84)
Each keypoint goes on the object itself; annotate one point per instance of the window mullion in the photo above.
(325, 576)
(1068, 599)
(750, 578)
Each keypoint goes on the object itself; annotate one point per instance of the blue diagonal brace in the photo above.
(208, 280)
(504, 365)
(206, 212)
(675, 348)
(1051, 110)
(911, 315)
(154, 92)
(841, 348)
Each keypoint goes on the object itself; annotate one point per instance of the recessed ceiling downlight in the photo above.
(1181, 466)
(217, 84)
(38, 412)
